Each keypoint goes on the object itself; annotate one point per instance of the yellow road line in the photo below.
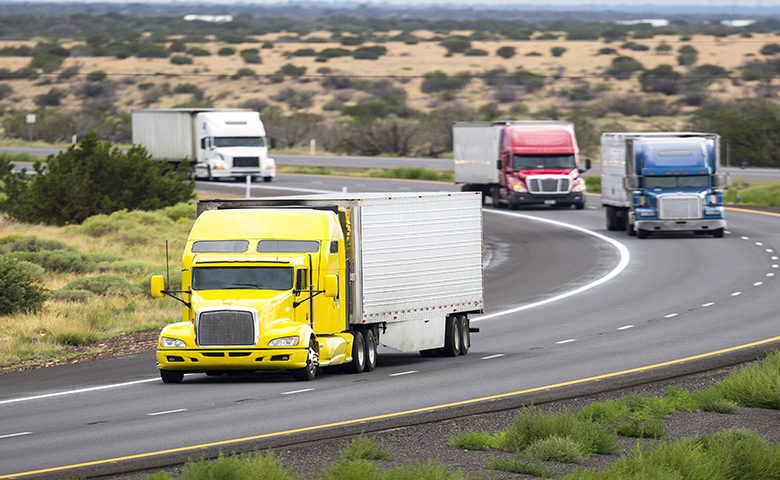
(398, 414)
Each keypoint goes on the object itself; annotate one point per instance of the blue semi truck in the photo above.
(662, 182)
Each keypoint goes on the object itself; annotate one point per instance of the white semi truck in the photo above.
(218, 143)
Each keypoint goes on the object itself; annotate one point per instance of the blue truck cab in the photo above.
(668, 183)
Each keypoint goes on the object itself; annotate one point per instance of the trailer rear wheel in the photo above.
(495, 198)
(358, 363)
(370, 350)
(171, 376)
(308, 372)
(465, 335)
(452, 336)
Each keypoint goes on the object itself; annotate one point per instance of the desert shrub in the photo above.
(528, 80)
(456, 43)
(369, 53)
(606, 51)
(52, 98)
(637, 47)
(615, 33)
(661, 79)
(21, 291)
(97, 76)
(152, 50)
(352, 40)
(251, 55)
(5, 91)
(29, 243)
(687, 55)
(288, 69)
(623, 67)
(334, 52)
(582, 33)
(506, 52)
(304, 52)
(439, 81)
(770, 49)
(181, 60)
(75, 296)
(242, 72)
(226, 51)
(186, 88)
(198, 52)
(475, 52)
(663, 48)
(557, 51)
(90, 178)
(104, 284)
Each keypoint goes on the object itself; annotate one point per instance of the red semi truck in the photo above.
(519, 163)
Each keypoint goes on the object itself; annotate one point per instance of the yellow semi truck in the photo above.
(297, 283)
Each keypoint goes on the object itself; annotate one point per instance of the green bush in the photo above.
(366, 448)
(76, 338)
(557, 51)
(506, 52)
(255, 466)
(29, 243)
(75, 296)
(471, 440)
(517, 465)
(21, 292)
(62, 260)
(181, 60)
(557, 449)
(91, 178)
(104, 284)
(755, 385)
(439, 81)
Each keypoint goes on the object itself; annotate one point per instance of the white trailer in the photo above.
(414, 261)
(218, 143)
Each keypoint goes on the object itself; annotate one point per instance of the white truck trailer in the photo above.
(331, 275)
(218, 143)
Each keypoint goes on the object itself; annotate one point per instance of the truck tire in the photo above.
(267, 179)
(494, 195)
(630, 227)
(358, 363)
(717, 233)
(642, 233)
(579, 205)
(465, 335)
(370, 344)
(171, 376)
(613, 222)
(452, 336)
(307, 373)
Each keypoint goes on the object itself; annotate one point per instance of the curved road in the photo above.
(669, 298)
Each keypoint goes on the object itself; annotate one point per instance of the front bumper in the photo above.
(206, 360)
(516, 199)
(703, 224)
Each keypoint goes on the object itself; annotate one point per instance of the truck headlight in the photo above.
(712, 211)
(283, 342)
(519, 187)
(646, 213)
(168, 342)
(578, 186)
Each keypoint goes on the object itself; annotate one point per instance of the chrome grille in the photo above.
(246, 161)
(542, 184)
(225, 328)
(671, 207)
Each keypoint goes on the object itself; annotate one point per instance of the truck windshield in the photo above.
(223, 278)
(685, 181)
(239, 142)
(527, 162)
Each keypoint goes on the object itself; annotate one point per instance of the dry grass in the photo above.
(411, 61)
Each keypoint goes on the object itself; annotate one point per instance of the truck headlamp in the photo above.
(168, 342)
(646, 213)
(578, 186)
(712, 211)
(284, 342)
(519, 187)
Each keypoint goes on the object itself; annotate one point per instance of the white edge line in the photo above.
(568, 340)
(298, 391)
(626, 327)
(167, 412)
(11, 435)
(625, 257)
(81, 390)
(491, 357)
(403, 373)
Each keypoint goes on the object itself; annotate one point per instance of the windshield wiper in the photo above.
(246, 285)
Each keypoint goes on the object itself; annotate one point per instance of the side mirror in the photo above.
(587, 164)
(203, 143)
(498, 164)
(158, 285)
(332, 286)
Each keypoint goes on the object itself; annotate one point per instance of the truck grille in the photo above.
(225, 328)
(672, 207)
(549, 184)
(246, 161)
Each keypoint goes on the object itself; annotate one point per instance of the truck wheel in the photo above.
(630, 228)
(171, 376)
(308, 372)
(267, 179)
(579, 205)
(431, 352)
(717, 233)
(465, 335)
(642, 233)
(452, 336)
(358, 363)
(495, 198)
(209, 176)
(370, 350)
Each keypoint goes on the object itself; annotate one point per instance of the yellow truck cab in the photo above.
(271, 286)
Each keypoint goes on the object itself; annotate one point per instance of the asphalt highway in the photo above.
(567, 303)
